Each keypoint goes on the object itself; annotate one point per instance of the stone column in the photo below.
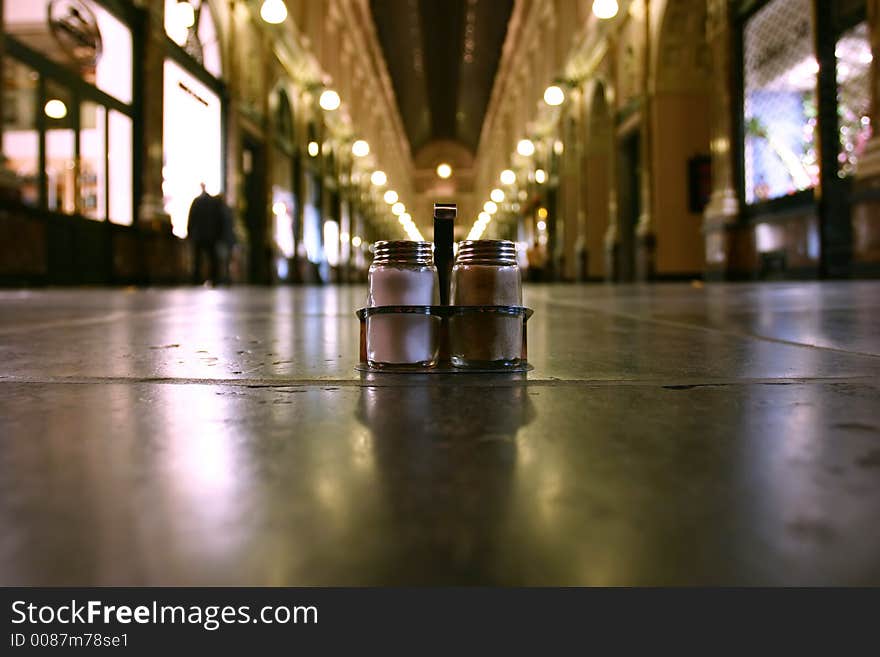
(581, 138)
(646, 240)
(555, 202)
(233, 150)
(612, 232)
(866, 187)
(268, 272)
(572, 155)
(722, 211)
(151, 211)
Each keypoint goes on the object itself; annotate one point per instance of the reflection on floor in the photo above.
(668, 435)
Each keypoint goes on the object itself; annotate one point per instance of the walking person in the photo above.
(204, 230)
(227, 241)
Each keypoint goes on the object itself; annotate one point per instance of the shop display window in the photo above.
(853, 53)
(78, 34)
(282, 212)
(312, 220)
(60, 139)
(284, 201)
(192, 143)
(119, 156)
(331, 242)
(81, 133)
(780, 114)
(21, 138)
(93, 161)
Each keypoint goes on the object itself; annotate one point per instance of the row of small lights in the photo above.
(275, 12)
(554, 96)
(379, 178)
(330, 101)
(526, 148)
(361, 148)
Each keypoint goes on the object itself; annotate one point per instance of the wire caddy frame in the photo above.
(444, 364)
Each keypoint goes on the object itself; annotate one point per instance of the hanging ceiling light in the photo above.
(329, 100)
(398, 209)
(490, 207)
(496, 195)
(525, 147)
(390, 197)
(273, 11)
(378, 178)
(314, 149)
(554, 95)
(540, 176)
(55, 109)
(444, 170)
(508, 177)
(605, 9)
(360, 148)
(185, 14)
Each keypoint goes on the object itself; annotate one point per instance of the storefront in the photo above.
(311, 251)
(69, 130)
(193, 110)
(285, 192)
(804, 122)
(330, 231)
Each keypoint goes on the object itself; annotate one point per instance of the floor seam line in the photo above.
(708, 329)
(673, 383)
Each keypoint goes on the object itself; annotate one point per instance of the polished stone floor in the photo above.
(674, 434)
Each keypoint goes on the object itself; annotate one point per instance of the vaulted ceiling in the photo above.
(442, 56)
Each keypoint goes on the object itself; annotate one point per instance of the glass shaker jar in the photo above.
(402, 274)
(486, 274)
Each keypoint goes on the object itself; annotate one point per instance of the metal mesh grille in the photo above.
(780, 70)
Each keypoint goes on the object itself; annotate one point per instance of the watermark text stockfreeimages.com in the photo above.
(210, 617)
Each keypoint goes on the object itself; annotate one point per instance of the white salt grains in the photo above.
(402, 274)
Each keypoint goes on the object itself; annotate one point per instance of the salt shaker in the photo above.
(402, 274)
(486, 274)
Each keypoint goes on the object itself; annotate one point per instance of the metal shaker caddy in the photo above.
(433, 312)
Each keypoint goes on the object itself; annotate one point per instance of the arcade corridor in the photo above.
(674, 434)
(196, 195)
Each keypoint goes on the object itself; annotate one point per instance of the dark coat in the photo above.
(205, 223)
(228, 225)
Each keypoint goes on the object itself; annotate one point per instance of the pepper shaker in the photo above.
(486, 274)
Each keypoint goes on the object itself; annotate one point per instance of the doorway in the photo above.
(254, 170)
(629, 204)
(596, 183)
